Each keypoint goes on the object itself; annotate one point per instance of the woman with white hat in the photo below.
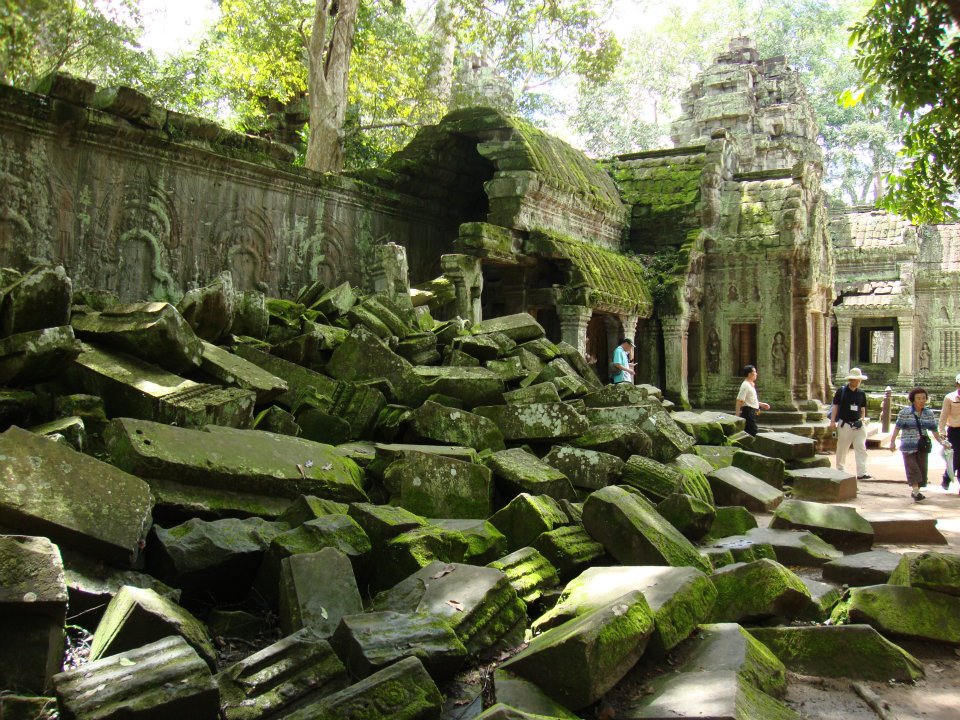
(848, 417)
(950, 421)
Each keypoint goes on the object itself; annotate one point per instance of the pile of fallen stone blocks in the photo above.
(406, 518)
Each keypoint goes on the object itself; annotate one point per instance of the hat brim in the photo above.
(857, 377)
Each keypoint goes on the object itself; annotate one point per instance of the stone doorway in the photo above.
(598, 346)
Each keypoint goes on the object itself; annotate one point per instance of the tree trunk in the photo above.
(445, 47)
(328, 70)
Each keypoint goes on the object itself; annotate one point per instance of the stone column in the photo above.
(906, 375)
(647, 355)
(466, 274)
(391, 275)
(675, 358)
(573, 325)
(844, 328)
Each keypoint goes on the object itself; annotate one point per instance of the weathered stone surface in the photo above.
(903, 526)
(769, 469)
(620, 415)
(165, 678)
(432, 421)
(517, 471)
(437, 486)
(209, 310)
(540, 393)
(935, 571)
(577, 662)
(623, 440)
(369, 642)
(231, 369)
(308, 507)
(734, 520)
(154, 332)
(33, 608)
(842, 527)
(758, 590)
(473, 385)
(822, 484)
(131, 387)
(136, 617)
(37, 299)
(617, 395)
(738, 548)
(704, 428)
(536, 421)
(852, 651)
(691, 516)
(823, 598)
(50, 489)
(793, 547)
(784, 445)
(733, 486)
(569, 549)
(235, 460)
(300, 380)
(277, 420)
(364, 356)
(36, 354)
(383, 522)
(654, 479)
(634, 533)
(316, 591)
(237, 624)
(867, 568)
(297, 670)
(69, 430)
(679, 598)
(727, 646)
(717, 456)
(484, 542)
(526, 516)
(485, 610)
(668, 439)
(528, 572)
(519, 699)
(899, 611)
(587, 469)
(519, 328)
(691, 461)
(413, 550)
(336, 301)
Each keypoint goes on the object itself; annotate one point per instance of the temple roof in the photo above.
(862, 228)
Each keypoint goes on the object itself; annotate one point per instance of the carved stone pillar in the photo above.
(675, 358)
(391, 274)
(906, 375)
(573, 325)
(844, 329)
(466, 274)
(647, 355)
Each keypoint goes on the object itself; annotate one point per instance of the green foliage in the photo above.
(908, 50)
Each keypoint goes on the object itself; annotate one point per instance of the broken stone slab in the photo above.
(69, 430)
(384, 317)
(617, 395)
(623, 440)
(33, 610)
(35, 300)
(484, 542)
(769, 469)
(364, 356)
(436, 486)
(131, 387)
(528, 572)
(569, 353)
(936, 571)
(478, 602)
(691, 516)
(136, 617)
(337, 301)
(739, 548)
(733, 486)
(36, 354)
(902, 612)
(587, 469)
(217, 559)
(858, 652)
(731, 520)
(308, 507)
(21, 407)
(384, 522)
(369, 642)
(536, 421)
(634, 533)
(154, 332)
(691, 461)
(679, 598)
(898, 527)
(784, 445)
(818, 461)
(413, 550)
(517, 471)
(842, 527)
(579, 661)
(655, 480)
(526, 516)
(402, 691)
(316, 591)
(717, 456)
(230, 369)
(519, 328)
(451, 426)
(866, 568)
(277, 420)
(209, 309)
(238, 624)
(561, 373)
(164, 678)
(299, 380)
(570, 549)
(519, 699)
(822, 484)
(823, 598)
(620, 415)
(668, 439)
(540, 393)
(485, 347)
(759, 590)
(295, 671)
(720, 694)
(52, 490)
(221, 458)
(704, 428)
(795, 547)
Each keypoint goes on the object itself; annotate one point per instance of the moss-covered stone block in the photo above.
(586, 469)
(436, 486)
(842, 527)
(937, 571)
(570, 549)
(731, 520)
(535, 421)
(904, 612)
(526, 516)
(529, 572)
(517, 471)
(452, 426)
(621, 440)
(691, 516)
(758, 590)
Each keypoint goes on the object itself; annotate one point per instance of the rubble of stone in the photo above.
(371, 501)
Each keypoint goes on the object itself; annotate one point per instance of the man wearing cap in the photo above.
(848, 416)
(950, 420)
(621, 365)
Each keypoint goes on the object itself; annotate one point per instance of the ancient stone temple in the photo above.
(736, 219)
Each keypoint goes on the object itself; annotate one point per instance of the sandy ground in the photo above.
(938, 696)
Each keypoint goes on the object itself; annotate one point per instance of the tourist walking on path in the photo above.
(912, 424)
(848, 417)
(623, 368)
(950, 421)
(748, 404)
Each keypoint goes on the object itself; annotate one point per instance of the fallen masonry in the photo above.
(352, 505)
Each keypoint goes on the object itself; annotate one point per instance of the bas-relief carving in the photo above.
(924, 363)
(713, 352)
(778, 355)
(243, 242)
(145, 239)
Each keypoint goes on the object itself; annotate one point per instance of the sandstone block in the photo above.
(517, 471)
(842, 527)
(758, 590)
(316, 591)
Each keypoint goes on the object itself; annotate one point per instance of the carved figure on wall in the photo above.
(925, 357)
(778, 354)
(732, 294)
(713, 352)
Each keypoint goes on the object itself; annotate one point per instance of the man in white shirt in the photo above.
(950, 421)
(748, 404)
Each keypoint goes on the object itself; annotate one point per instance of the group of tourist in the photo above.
(848, 423)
